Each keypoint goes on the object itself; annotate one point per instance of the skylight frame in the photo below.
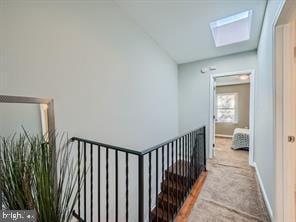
(248, 14)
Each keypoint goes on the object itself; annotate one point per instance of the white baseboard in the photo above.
(264, 192)
(253, 164)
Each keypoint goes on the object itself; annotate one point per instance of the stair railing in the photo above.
(129, 183)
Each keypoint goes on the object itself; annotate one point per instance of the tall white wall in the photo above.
(194, 87)
(110, 82)
(264, 105)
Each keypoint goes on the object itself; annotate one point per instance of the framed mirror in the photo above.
(34, 115)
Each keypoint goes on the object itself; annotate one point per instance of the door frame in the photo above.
(250, 72)
(285, 122)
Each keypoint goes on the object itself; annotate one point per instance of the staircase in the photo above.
(173, 167)
(174, 190)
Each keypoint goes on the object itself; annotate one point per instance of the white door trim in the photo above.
(251, 111)
(285, 84)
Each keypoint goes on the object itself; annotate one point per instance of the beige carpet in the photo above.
(231, 191)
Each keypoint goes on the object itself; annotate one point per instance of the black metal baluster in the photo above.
(141, 187)
(99, 183)
(180, 157)
(162, 170)
(176, 173)
(1, 184)
(179, 170)
(194, 156)
(168, 179)
(188, 165)
(183, 166)
(116, 185)
(91, 183)
(172, 165)
(176, 177)
(79, 179)
(156, 194)
(202, 152)
(173, 177)
(126, 187)
(204, 148)
(185, 160)
(200, 156)
(84, 177)
(193, 177)
(198, 153)
(107, 184)
(199, 150)
(150, 219)
(190, 159)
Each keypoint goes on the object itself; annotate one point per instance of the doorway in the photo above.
(231, 115)
(285, 113)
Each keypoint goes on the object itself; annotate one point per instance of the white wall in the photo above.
(194, 87)
(110, 82)
(264, 105)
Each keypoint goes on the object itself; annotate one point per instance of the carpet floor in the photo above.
(231, 191)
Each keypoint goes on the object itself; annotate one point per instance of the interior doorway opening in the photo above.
(231, 112)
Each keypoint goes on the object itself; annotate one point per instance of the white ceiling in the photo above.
(181, 27)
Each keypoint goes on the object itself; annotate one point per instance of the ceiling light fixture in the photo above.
(244, 77)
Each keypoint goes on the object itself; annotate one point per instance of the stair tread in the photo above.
(173, 189)
(164, 197)
(180, 168)
(161, 213)
(173, 185)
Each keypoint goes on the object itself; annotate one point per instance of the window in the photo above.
(232, 29)
(227, 111)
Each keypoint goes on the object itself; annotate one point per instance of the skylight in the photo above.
(232, 29)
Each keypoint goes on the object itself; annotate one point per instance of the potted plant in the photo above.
(33, 176)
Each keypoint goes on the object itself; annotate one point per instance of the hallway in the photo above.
(231, 191)
(140, 89)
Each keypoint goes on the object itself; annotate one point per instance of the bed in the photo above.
(240, 139)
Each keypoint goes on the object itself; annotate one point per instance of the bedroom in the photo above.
(232, 120)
